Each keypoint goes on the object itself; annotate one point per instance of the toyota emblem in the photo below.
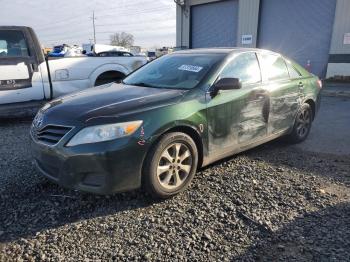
(38, 120)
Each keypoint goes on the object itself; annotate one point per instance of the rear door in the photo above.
(284, 92)
(18, 63)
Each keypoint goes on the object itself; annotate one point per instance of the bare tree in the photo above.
(122, 39)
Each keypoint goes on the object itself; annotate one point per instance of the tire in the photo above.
(164, 173)
(302, 125)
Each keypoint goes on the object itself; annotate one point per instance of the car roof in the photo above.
(221, 50)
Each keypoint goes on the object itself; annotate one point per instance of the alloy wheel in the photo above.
(303, 123)
(174, 165)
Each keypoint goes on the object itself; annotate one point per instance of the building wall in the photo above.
(341, 26)
(248, 16)
(339, 58)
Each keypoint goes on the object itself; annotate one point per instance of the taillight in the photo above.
(319, 82)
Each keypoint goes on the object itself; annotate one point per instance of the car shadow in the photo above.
(26, 211)
(322, 235)
(282, 154)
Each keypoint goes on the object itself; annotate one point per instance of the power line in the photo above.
(116, 24)
(83, 34)
(121, 27)
(65, 20)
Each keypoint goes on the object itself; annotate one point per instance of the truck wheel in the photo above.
(109, 77)
(302, 125)
(170, 165)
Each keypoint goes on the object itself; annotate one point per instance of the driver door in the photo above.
(238, 117)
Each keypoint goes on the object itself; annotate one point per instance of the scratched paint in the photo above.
(142, 140)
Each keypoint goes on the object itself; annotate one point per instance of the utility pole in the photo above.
(93, 25)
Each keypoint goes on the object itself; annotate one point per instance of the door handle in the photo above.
(301, 85)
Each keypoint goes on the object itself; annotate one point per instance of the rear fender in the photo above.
(104, 68)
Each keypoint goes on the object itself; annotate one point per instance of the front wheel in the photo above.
(302, 124)
(170, 165)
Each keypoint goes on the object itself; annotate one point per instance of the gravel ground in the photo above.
(274, 202)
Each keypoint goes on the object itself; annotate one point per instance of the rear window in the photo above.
(274, 67)
(13, 44)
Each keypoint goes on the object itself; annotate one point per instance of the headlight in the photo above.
(102, 133)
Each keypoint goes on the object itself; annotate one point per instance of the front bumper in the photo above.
(101, 168)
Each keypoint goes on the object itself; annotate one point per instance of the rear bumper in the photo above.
(101, 168)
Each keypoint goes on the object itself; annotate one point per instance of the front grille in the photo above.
(51, 134)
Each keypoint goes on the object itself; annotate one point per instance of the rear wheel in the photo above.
(302, 124)
(171, 165)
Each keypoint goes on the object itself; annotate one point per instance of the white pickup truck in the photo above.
(28, 79)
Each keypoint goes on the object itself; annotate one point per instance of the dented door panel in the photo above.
(223, 118)
(284, 103)
(236, 117)
(254, 116)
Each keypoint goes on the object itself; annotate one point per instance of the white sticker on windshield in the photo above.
(191, 68)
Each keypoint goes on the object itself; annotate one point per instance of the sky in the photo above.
(153, 23)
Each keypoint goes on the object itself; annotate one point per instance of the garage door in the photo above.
(299, 29)
(214, 25)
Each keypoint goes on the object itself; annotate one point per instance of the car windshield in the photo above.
(178, 71)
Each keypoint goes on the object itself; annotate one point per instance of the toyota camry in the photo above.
(174, 115)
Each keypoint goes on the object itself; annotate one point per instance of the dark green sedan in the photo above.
(174, 115)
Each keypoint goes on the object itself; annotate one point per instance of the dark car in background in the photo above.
(176, 114)
(114, 53)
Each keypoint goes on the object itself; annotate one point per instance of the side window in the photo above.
(245, 67)
(13, 44)
(293, 73)
(274, 67)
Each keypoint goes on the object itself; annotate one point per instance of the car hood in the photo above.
(110, 101)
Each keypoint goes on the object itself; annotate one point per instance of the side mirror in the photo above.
(226, 84)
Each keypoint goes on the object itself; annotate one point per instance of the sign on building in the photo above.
(247, 39)
(347, 39)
